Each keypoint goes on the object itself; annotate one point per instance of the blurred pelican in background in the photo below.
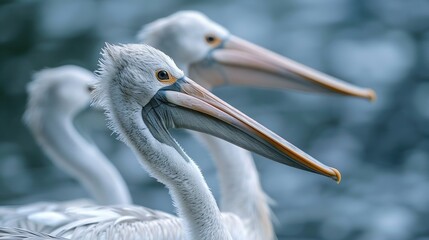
(55, 97)
(144, 95)
(207, 50)
(214, 57)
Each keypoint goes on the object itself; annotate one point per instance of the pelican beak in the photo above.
(239, 62)
(185, 104)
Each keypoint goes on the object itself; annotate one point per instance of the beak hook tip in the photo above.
(372, 96)
(337, 176)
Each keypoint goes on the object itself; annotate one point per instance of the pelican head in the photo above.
(213, 56)
(147, 83)
(187, 36)
(64, 90)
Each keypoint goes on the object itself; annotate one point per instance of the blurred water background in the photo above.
(381, 148)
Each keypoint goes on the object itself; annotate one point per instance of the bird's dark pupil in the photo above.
(162, 75)
(210, 39)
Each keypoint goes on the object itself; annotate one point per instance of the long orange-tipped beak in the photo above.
(239, 62)
(185, 104)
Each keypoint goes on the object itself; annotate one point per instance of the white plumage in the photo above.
(23, 234)
(56, 96)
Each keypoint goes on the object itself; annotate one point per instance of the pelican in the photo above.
(144, 94)
(56, 95)
(211, 55)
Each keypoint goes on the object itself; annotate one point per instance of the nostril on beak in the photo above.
(91, 88)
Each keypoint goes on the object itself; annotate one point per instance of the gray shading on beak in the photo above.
(239, 62)
(185, 104)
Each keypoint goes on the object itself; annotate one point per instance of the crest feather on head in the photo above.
(107, 69)
(124, 66)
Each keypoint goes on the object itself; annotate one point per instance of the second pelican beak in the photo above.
(185, 104)
(238, 62)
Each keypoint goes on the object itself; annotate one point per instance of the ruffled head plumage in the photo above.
(129, 70)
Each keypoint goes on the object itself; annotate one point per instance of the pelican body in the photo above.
(56, 96)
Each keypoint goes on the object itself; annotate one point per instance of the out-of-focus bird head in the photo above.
(207, 52)
(61, 91)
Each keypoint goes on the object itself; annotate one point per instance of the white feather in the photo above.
(55, 96)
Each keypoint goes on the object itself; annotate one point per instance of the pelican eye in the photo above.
(91, 88)
(162, 75)
(165, 77)
(213, 40)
